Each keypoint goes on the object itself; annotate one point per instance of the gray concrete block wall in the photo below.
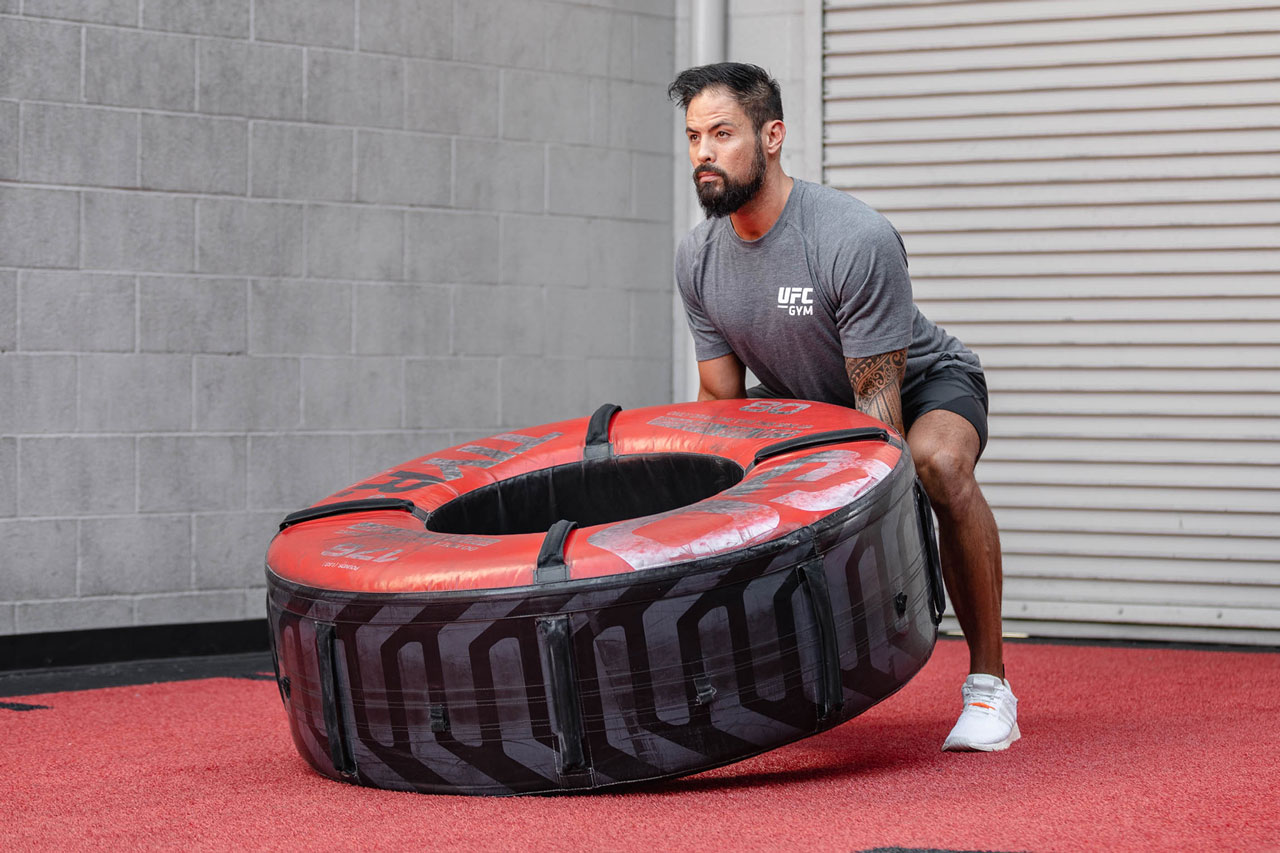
(253, 250)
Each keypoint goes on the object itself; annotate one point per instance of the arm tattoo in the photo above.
(877, 385)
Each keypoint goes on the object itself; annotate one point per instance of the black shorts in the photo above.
(955, 390)
(943, 387)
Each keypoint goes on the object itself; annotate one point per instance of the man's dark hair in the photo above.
(750, 85)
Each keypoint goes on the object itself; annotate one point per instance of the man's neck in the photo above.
(754, 219)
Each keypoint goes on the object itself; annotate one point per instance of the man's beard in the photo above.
(728, 196)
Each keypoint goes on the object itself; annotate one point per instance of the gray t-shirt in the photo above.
(827, 282)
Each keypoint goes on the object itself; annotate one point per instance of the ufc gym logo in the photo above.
(798, 301)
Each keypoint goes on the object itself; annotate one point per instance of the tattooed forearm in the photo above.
(877, 385)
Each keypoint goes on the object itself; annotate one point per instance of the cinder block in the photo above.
(459, 437)
(629, 382)
(228, 18)
(246, 393)
(443, 393)
(543, 390)
(292, 471)
(588, 181)
(402, 168)
(133, 231)
(8, 140)
(135, 69)
(330, 23)
(402, 319)
(42, 60)
(250, 238)
(55, 150)
(254, 80)
(640, 117)
(127, 393)
(598, 107)
(492, 320)
(132, 554)
(355, 89)
(185, 608)
(193, 315)
(662, 8)
(120, 12)
(631, 255)
(418, 28)
(40, 558)
(352, 393)
(373, 452)
(75, 614)
(655, 49)
(448, 98)
(545, 107)
(39, 391)
(75, 476)
(191, 473)
(255, 603)
(41, 227)
(8, 619)
(496, 175)
(230, 548)
(509, 33)
(77, 312)
(299, 317)
(8, 475)
(621, 35)
(652, 319)
(651, 186)
(579, 39)
(355, 242)
(8, 310)
(589, 322)
(296, 161)
(185, 153)
(545, 250)
(451, 247)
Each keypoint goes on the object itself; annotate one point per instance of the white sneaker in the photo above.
(989, 721)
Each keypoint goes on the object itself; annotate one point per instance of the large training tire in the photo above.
(741, 574)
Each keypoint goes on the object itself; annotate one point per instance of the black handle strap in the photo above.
(597, 444)
(551, 566)
(932, 557)
(817, 439)
(830, 698)
(561, 682)
(311, 513)
(335, 733)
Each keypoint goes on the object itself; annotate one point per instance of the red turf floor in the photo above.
(1122, 749)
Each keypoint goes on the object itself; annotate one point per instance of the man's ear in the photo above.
(774, 132)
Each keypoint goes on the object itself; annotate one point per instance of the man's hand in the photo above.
(877, 386)
(722, 378)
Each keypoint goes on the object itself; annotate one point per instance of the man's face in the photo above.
(726, 153)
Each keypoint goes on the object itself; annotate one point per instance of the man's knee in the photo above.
(946, 472)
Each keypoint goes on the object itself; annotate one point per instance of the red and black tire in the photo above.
(631, 596)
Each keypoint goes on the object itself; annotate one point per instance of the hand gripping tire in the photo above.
(630, 596)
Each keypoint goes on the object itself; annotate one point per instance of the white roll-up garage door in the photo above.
(1089, 191)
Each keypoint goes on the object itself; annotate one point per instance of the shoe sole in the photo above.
(1014, 734)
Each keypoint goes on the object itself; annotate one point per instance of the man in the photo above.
(864, 345)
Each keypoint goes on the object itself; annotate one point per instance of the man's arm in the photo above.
(877, 386)
(722, 378)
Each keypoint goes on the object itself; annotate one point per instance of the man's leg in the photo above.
(945, 447)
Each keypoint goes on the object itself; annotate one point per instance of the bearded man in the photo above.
(864, 344)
